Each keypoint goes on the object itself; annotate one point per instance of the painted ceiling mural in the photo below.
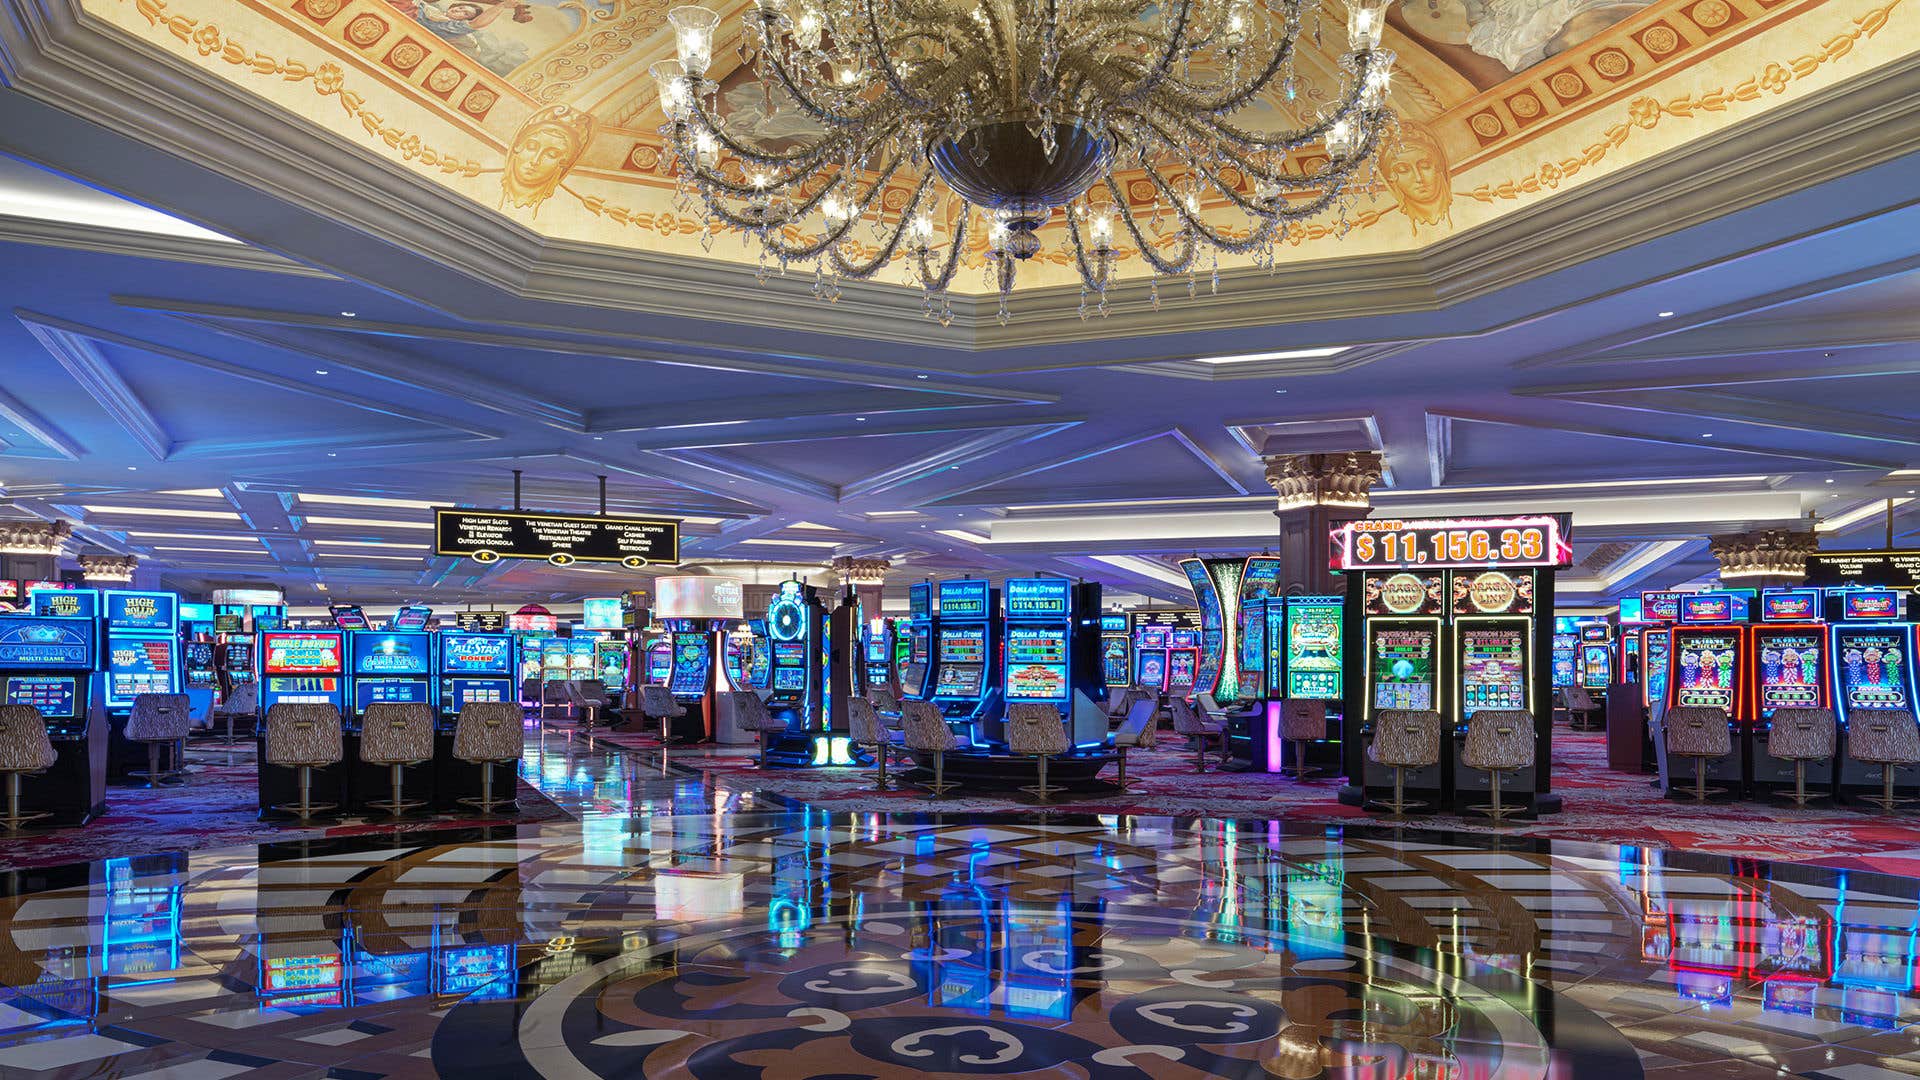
(544, 109)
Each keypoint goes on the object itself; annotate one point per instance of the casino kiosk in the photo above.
(48, 662)
(305, 666)
(796, 624)
(920, 631)
(473, 668)
(966, 671)
(384, 666)
(1707, 667)
(1872, 655)
(140, 655)
(1787, 670)
(1451, 616)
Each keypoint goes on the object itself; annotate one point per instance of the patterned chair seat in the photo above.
(397, 733)
(489, 731)
(1499, 739)
(1883, 737)
(887, 705)
(752, 714)
(24, 746)
(657, 703)
(1141, 729)
(864, 724)
(303, 733)
(1698, 731)
(1406, 738)
(1189, 721)
(1802, 734)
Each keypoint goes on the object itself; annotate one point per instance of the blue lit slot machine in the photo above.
(1787, 670)
(389, 666)
(47, 662)
(1304, 660)
(140, 654)
(876, 644)
(1116, 650)
(966, 686)
(1707, 668)
(474, 669)
(759, 655)
(1565, 653)
(920, 628)
(796, 625)
(304, 667)
(1183, 660)
(140, 938)
(1038, 961)
(1150, 659)
(1871, 650)
(1038, 629)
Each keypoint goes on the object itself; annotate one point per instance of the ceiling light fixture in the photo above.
(161, 511)
(319, 371)
(348, 314)
(1284, 354)
(1020, 110)
(1665, 314)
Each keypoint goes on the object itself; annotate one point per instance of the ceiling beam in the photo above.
(89, 367)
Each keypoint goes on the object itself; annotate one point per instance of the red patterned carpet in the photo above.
(1602, 805)
(218, 807)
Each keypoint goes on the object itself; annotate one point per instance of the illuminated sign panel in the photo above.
(1500, 542)
(1713, 607)
(1789, 605)
(1036, 596)
(141, 610)
(1870, 605)
(964, 599)
(561, 539)
(601, 613)
(1660, 606)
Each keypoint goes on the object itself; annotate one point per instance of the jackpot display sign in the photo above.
(1713, 607)
(561, 539)
(397, 654)
(1403, 594)
(1790, 605)
(1036, 597)
(300, 654)
(28, 641)
(1870, 605)
(964, 599)
(1660, 606)
(1493, 667)
(65, 603)
(1454, 542)
(1791, 669)
(1703, 670)
(1402, 666)
(475, 654)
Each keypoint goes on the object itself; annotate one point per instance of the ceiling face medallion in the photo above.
(1023, 110)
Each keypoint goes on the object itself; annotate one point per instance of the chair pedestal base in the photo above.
(1041, 791)
(1121, 781)
(1886, 800)
(1800, 796)
(399, 803)
(306, 807)
(880, 771)
(938, 787)
(486, 801)
(1398, 806)
(154, 775)
(1700, 792)
(1496, 809)
(14, 819)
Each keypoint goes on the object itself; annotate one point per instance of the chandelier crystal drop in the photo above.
(1131, 119)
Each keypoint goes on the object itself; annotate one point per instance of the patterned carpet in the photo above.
(218, 807)
(1601, 805)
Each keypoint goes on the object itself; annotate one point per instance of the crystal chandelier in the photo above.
(1130, 117)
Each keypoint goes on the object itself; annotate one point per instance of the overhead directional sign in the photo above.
(561, 539)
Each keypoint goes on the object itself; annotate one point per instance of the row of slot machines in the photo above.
(1583, 654)
(973, 650)
(353, 669)
(1848, 649)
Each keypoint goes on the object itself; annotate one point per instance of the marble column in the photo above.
(1317, 494)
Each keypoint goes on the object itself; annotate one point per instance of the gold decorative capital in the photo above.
(108, 567)
(1335, 480)
(851, 570)
(33, 537)
(1771, 553)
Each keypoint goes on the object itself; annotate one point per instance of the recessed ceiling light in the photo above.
(1279, 391)
(1666, 314)
(1706, 434)
(599, 438)
(348, 314)
(919, 376)
(1829, 480)
(862, 419)
(332, 454)
(319, 371)
(1284, 354)
(133, 468)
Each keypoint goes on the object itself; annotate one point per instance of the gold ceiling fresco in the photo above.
(543, 109)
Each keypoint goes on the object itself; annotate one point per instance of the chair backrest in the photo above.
(556, 692)
(1036, 729)
(1883, 736)
(1208, 705)
(925, 728)
(1188, 722)
(1802, 734)
(589, 692)
(24, 746)
(1698, 731)
(752, 714)
(159, 718)
(1116, 700)
(657, 702)
(1141, 727)
(884, 702)
(1579, 700)
(863, 723)
(243, 701)
(1180, 691)
(393, 731)
(1303, 718)
(1409, 738)
(489, 731)
(303, 733)
(1499, 739)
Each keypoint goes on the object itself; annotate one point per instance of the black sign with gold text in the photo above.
(561, 539)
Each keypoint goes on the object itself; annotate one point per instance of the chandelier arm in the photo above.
(884, 62)
(809, 156)
(1248, 91)
(1349, 102)
(1196, 225)
(1164, 67)
(954, 248)
(713, 180)
(856, 211)
(885, 255)
(1234, 158)
(772, 52)
(1087, 276)
(1177, 266)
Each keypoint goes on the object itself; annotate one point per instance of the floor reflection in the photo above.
(675, 931)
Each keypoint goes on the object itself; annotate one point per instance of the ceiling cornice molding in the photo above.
(80, 355)
(130, 243)
(52, 52)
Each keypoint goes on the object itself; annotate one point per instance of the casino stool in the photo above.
(591, 698)
(1581, 709)
(1499, 741)
(657, 703)
(1405, 739)
(488, 733)
(888, 706)
(1699, 732)
(867, 729)
(1129, 697)
(1800, 736)
(1036, 731)
(161, 720)
(397, 734)
(752, 714)
(1139, 731)
(303, 736)
(1302, 720)
(25, 750)
(1887, 738)
(1200, 729)
(927, 731)
(243, 703)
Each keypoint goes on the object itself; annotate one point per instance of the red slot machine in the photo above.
(1707, 667)
(1787, 666)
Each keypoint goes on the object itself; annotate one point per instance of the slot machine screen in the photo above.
(1402, 667)
(1183, 639)
(1565, 659)
(1596, 666)
(1493, 668)
(458, 692)
(369, 691)
(301, 654)
(1180, 665)
(1791, 669)
(1036, 663)
(303, 974)
(659, 662)
(478, 971)
(140, 611)
(240, 656)
(392, 655)
(54, 695)
(1314, 657)
(31, 641)
(1113, 660)
(1703, 670)
(1655, 665)
(199, 654)
(467, 654)
(959, 680)
(963, 645)
(139, 666)
(1871, 666)
(1151, 668)
(789, 678)
(1153, 639)
(790, 654)
(65, 603)
(1253, 640)
(692, 655)
(1868, 605)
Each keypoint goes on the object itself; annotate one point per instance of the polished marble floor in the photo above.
(670, 929)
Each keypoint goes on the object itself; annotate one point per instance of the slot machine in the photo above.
(1302, 642)
(1659, 611)
(966, 684)
(199, 675)
(140, 653)
(1452, 616)
(1253, 647)
(1596, 665)
(1038, 628)
(610, 664)
(1183, 661)
(302, 666)
(474, 668)
(1871, 651)
(759, 655)
(876, 646)
(48, 662)
(736, 662)
(1566, 653)
(921, 625)
(691, 660)
(1706, 668)
(1150, 659)
(388, 666)
(796, 626)
(235, 658)
(1787, 670)
(1116, 650)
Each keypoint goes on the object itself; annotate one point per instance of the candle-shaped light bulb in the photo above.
(1100, 225)
(693, 34)
(807, 28)
(1366, 21)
